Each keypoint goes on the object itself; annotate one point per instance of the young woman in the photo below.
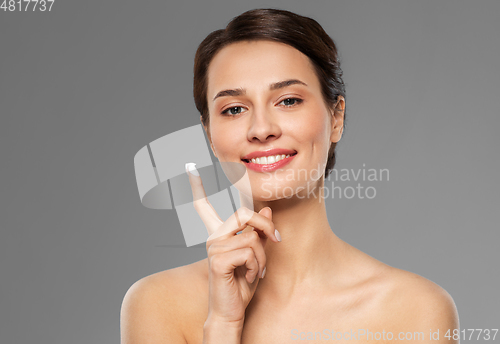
(271, 97)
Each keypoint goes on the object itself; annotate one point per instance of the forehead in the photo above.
(256, 64)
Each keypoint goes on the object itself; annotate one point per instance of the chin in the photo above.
(272, 190)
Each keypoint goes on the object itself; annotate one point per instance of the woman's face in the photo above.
(264, 96)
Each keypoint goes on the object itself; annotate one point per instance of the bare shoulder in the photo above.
(160, 306)
(415, 303)
(405, 294)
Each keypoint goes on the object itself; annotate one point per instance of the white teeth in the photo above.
(269, 159)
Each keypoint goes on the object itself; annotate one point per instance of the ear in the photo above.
(338, 120)
(207, 130)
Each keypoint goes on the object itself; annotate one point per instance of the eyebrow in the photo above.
(272, 87)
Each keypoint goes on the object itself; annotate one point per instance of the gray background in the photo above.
(84, 87)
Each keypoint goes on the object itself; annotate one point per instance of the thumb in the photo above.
(267, 212)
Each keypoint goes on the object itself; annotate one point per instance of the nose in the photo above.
(264, 127)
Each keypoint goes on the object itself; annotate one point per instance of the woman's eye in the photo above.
(291, 101)
(233, 110)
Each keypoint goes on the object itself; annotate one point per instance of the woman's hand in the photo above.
(235, 261)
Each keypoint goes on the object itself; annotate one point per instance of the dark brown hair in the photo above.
(302, 33)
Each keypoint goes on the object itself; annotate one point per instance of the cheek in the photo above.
(223, 142)
(314, 130)
(315, 138)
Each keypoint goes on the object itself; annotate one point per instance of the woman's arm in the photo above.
(420, 306)
(437, 314)
(149, 315)
(216, 331)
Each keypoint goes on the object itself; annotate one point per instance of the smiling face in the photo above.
(263, 96)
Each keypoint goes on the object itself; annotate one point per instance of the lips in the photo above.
(274, 151)
(272, 166)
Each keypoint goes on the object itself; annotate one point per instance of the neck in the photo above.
(309, 251)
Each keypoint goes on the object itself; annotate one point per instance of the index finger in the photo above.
(200, 201)
(258, 221)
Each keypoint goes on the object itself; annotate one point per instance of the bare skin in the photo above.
(314, 281)
(387, 299)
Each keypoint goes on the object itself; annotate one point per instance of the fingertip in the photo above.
(267, 212)
(277, 235)
(191, 169)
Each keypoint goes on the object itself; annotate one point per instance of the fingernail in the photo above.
(264, 272)
(277, 234)
(191, 168)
